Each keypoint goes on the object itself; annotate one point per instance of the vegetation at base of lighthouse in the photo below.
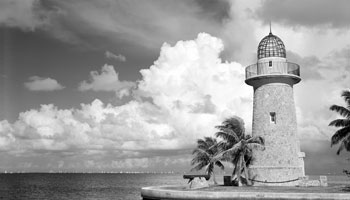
(235, 147)
(342, 135)
(204, 154)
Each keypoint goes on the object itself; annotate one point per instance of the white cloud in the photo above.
(6, 135)
(107, 80)
(183, 94)
(197, 90)
(180, 98)
(118, 57)
(191, 91)
(37, 83)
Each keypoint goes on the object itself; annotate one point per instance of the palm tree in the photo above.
(342, 135)
(203, 156)
(237, 147)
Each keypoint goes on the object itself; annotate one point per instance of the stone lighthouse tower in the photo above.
(274, 116)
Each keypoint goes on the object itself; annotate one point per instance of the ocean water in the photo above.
(40, 186)
(30, 186)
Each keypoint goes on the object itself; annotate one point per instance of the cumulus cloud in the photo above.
(193, 78)
(6, 135)
(118, 57)
(186, 92)
(107, 80)
(180, 98)
(37, 83)
(329, 13)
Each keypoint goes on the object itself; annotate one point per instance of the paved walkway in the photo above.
(337, 192)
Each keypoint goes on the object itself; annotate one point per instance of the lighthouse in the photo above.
(274, 116)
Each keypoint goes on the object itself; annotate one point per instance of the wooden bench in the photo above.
(190, 177)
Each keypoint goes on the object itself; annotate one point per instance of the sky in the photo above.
(131, 85)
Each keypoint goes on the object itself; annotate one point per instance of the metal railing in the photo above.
(274, 68)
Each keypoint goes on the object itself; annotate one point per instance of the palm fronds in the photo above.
(346, 96)
(235, 147)
(341, 110)
(206, 150)
(342, 135)
(340, 122)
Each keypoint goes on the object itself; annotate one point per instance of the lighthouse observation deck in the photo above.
(272, 69)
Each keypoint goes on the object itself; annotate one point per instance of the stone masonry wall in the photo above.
(280, 161)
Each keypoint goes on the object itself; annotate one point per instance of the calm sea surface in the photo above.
(90, 186)
(81, 186)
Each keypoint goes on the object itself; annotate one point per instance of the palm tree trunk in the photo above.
(239, 170)
(234, 173)
(215, 183)
(246, 172)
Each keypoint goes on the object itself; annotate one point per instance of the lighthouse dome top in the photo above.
(271, 46)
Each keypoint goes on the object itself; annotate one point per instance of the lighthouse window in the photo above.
(272, 117)
(270, 63)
